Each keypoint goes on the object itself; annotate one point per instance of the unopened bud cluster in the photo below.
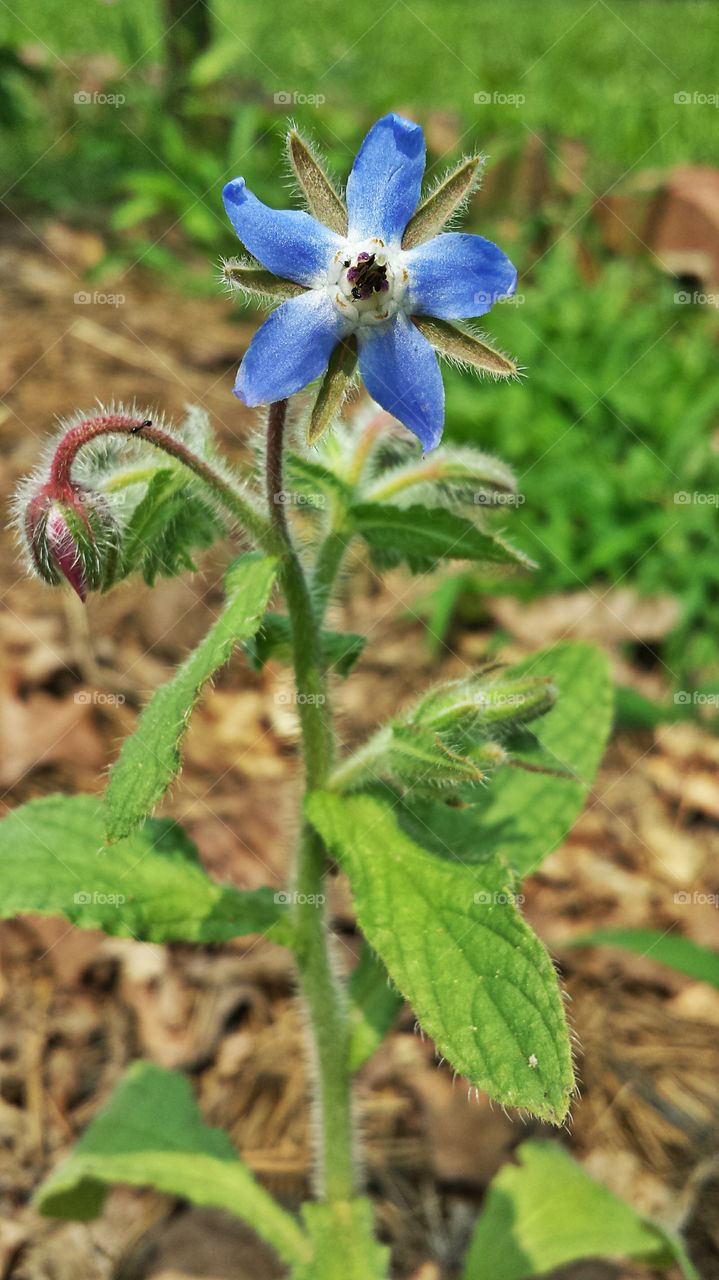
(451, 736)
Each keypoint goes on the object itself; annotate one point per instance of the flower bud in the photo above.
(479, 702)
(71, 537)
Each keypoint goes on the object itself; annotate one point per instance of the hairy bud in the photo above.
(70, 536)
(478, 702)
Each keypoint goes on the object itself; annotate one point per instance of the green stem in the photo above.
(323, 994)
(359, 765)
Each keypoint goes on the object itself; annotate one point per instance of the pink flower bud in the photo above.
(70, 536)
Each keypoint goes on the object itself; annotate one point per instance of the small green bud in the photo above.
(466, 705)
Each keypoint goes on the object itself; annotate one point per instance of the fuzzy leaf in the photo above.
(150, 758)
(333, 389)
(524, 816)
(481, 983)
(314, 480)
(170, 522)
(151, 1134)
(373, 1006)
(149, 886)
(546, 1212)
(341, 649)
(323, 200)
(459, 344)
(439, 206)
(423, 536)
(258, 282)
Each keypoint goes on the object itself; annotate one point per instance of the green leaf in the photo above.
(666, 948)
(150, 758)
(422, 536)
(343, 1242)
(150, 886)
(170, 522)
(546, 1212)
(373, 1006)
(524, 816)
(314, 481)
(482, 985)
(341, 649)
(151, 1134)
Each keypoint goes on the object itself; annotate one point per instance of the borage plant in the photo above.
(435, 818)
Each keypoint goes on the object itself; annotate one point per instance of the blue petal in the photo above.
(292, 347)
(401, 373)
(384, 185)
(456, 275)
(286, 241)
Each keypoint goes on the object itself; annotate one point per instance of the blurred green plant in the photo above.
(612, 440)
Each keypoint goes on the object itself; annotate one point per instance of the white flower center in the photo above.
(367, 283)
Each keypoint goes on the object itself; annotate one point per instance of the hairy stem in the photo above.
(142, 429)
(322, 992)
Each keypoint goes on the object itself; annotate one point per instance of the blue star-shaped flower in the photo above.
(365, 285)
